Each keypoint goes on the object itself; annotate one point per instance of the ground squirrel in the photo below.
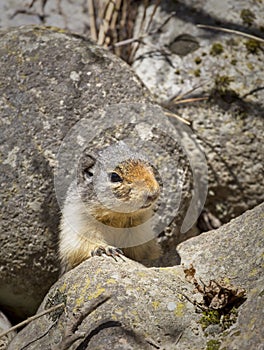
(108, 208)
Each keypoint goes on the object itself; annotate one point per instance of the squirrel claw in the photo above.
(109, 251)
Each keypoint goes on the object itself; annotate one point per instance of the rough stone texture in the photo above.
(230, 131)
(4, 326)
(229, 125)
(243, 234)
(53, 79)
(235, 251)
(147, 305)
(66, 14)
(143, 309)
(62, 94)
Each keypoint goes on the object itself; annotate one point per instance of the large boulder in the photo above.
(225, 69)
(60, 95)
(124, 305)
(49, 81)
(235, 252)
(54, 79)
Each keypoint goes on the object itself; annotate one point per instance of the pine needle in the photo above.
(188, 100)
(232, 31)
(176, 98)
(185, 121)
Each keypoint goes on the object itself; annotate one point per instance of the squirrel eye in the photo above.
(114, 177)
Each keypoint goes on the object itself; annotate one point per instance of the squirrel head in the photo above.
(133, 182)
(122, 180)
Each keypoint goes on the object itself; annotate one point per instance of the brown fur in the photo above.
(84, 229)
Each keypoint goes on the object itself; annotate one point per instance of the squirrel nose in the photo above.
(150, 198)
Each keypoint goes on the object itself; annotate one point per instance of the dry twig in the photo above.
(232, 31)
(92, 18)
(32, 318)
(189, 100)
(185, 121)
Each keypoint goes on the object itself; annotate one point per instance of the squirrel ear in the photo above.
(86, 167)
(88, 173)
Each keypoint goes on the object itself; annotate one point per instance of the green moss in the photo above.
(230, 318)
(247, 16)
(223, 81)
(223, 90)
(198, 60)
(252, 46)
(209, 317)
(197, 72)
(213, 344)
(232, 42)
(250, 65)
(224, 319)
(216, 49)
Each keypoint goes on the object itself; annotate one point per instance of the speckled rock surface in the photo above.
(139, 309)
(66, 14)
(53, 95)
(4, 326)
(53, 79)
(147, 308)
(235, 251)
(62, 95)
(227, 68)
(181, 57)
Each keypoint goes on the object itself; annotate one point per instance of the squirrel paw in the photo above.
(109, 251)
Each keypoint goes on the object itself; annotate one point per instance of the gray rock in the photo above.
(230, 131)
(60, 95)
(137, 314)
(64, 14)
(243, 234)
(229, 69)
(4, 326)
(147, 307)
(235, 251)
(52, 81)
(182, 57)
